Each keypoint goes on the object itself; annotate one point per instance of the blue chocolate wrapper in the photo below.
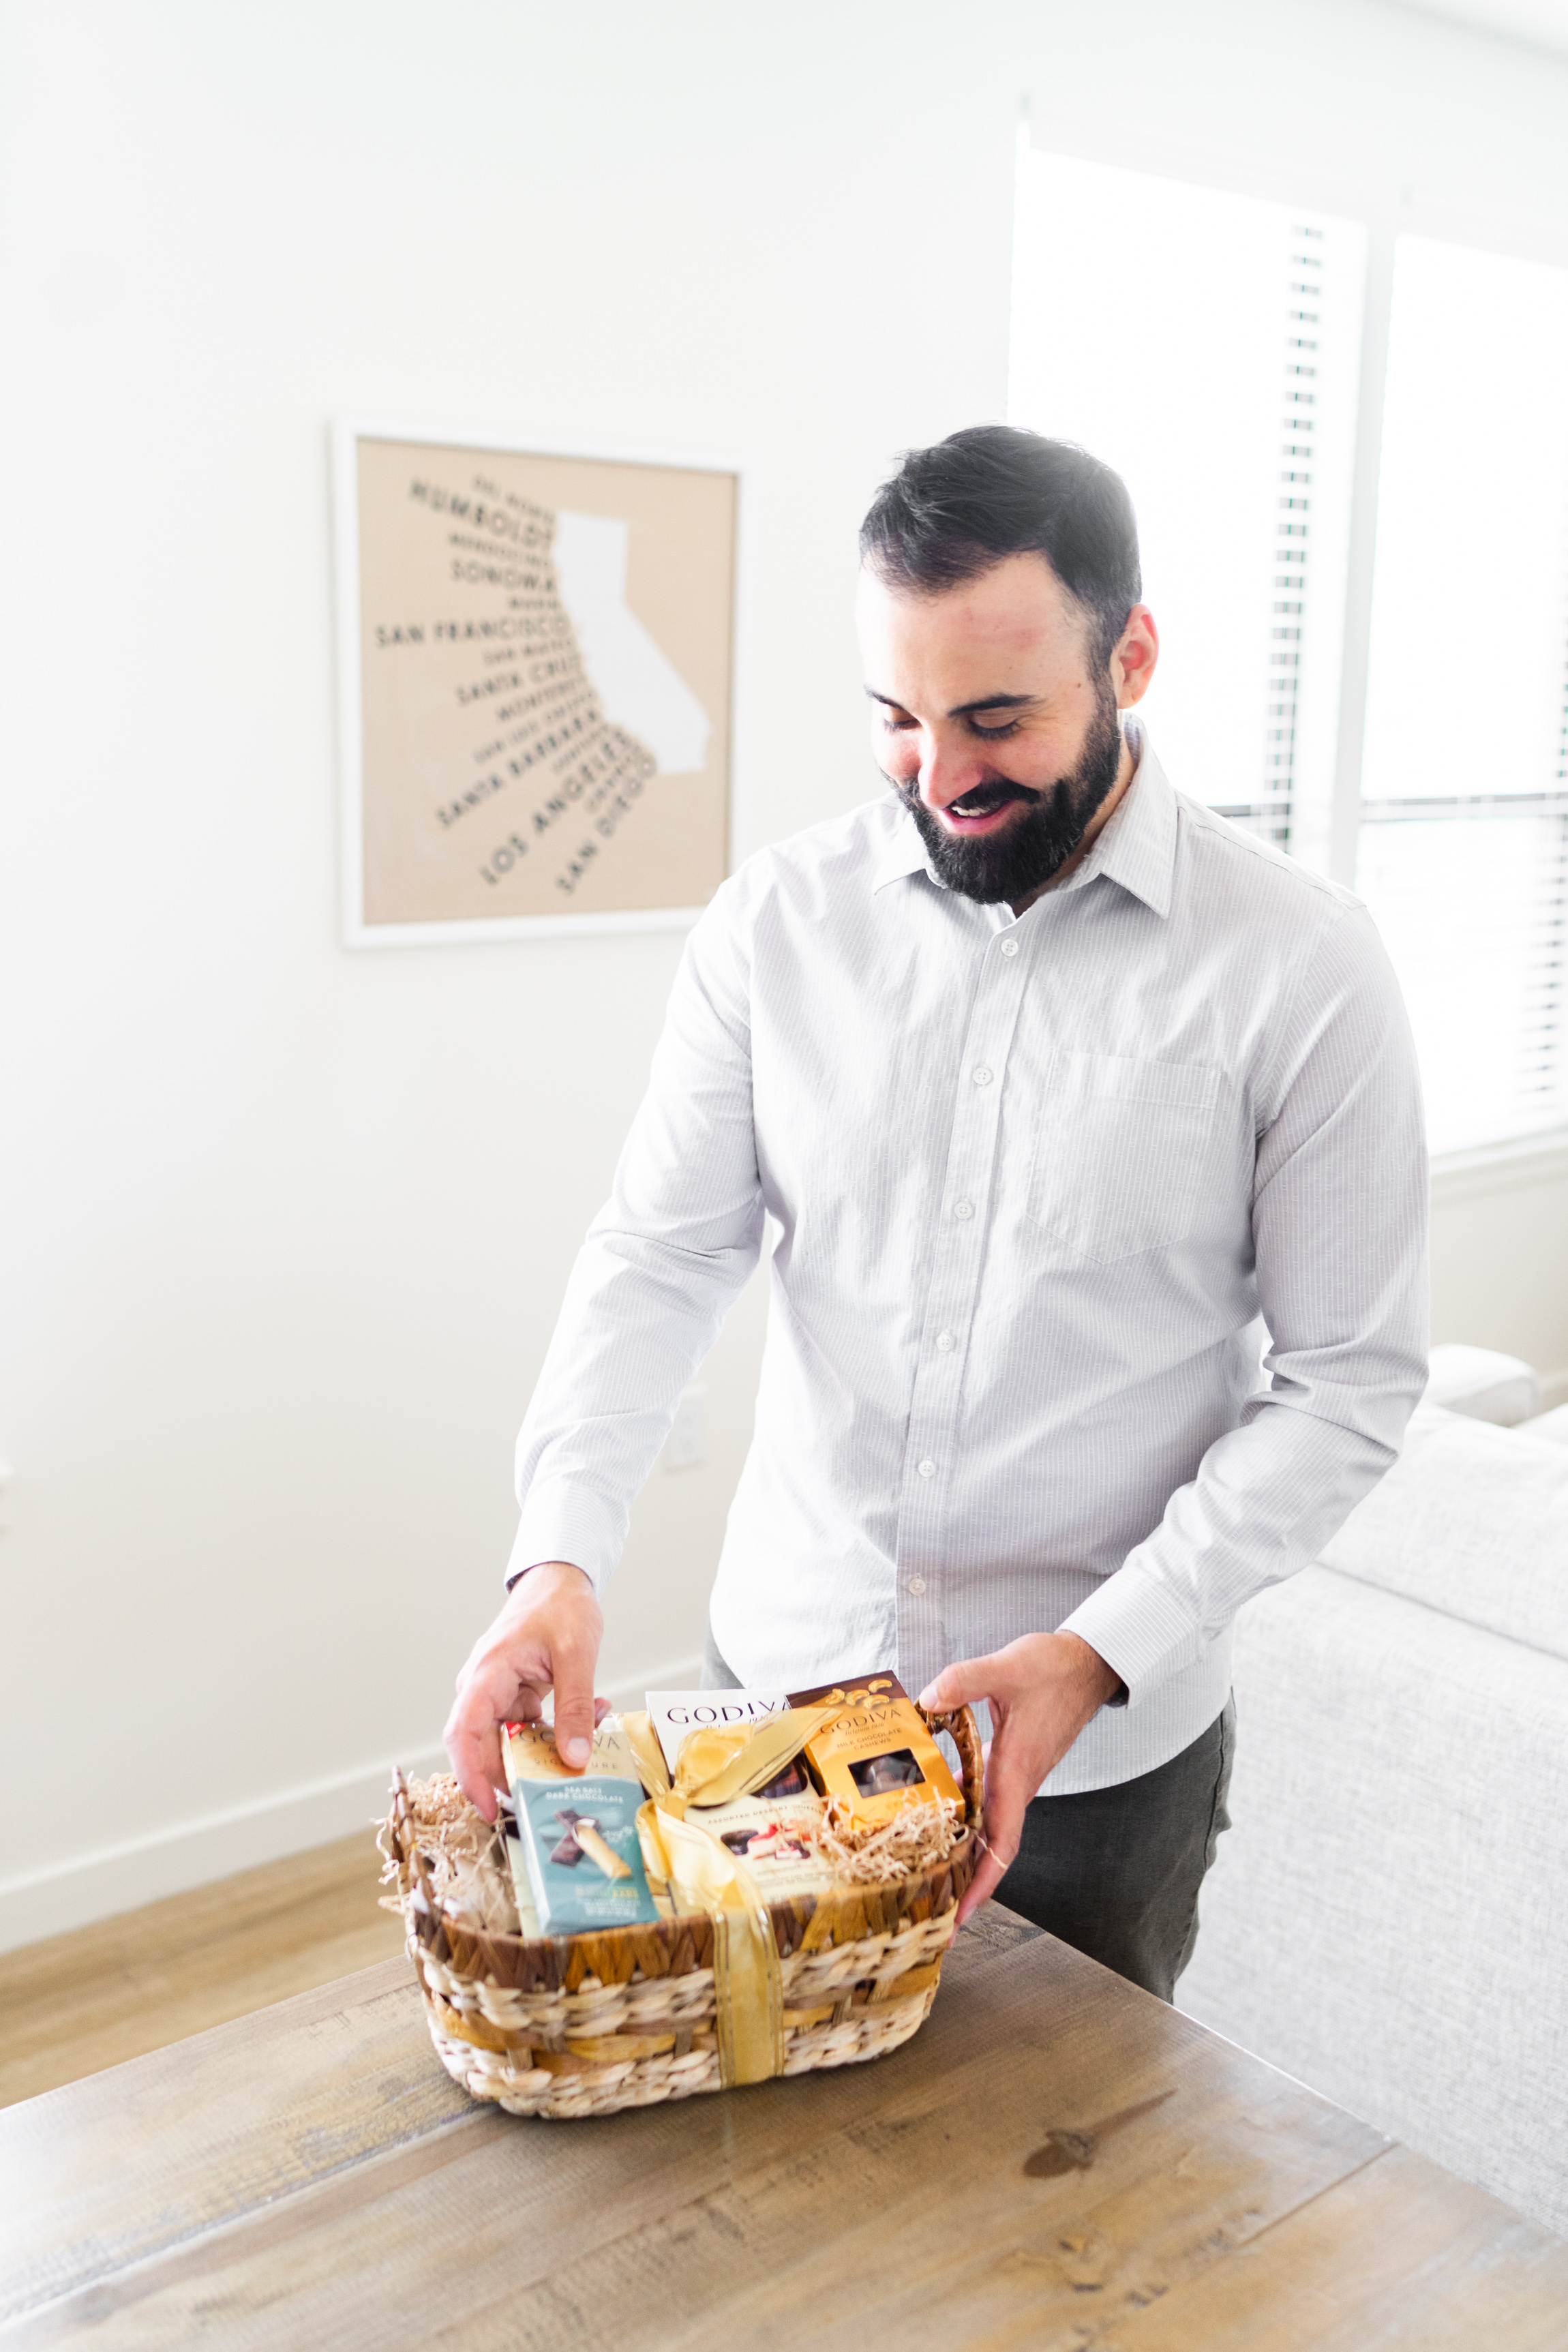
(578, 1836)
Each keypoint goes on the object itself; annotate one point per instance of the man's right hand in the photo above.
(546, 1637)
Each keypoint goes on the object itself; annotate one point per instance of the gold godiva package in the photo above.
(876, 1753)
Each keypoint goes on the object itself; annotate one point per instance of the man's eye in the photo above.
(993, 734)
(894, 721)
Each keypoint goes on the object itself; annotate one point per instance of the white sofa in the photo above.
(1388, 1919)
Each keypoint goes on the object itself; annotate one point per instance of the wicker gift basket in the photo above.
(583, 2025)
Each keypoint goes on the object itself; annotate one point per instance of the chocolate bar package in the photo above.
(878, 1751)
(522, 1887)
(578, 1830)
(769, 1830)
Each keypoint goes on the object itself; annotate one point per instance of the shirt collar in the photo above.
(1137, 849)
(1138, 846)
(905, 852)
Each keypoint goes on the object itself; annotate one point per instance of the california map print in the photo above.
(544, 682)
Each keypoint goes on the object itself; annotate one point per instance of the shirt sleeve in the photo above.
(1339, 1220)
(662, 1262)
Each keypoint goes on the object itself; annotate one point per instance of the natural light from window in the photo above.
(1464, 839)
(1222, 381)
(1221, 385)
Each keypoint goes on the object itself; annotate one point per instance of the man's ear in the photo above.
(1137, 652)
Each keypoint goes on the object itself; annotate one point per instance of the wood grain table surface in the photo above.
(1055, 2160)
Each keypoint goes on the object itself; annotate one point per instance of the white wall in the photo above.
(285, 1228)
(1500, 1257)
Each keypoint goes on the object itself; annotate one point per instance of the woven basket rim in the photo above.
(779, 1913)
(834, 1910)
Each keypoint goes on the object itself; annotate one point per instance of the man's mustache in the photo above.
(983, 799)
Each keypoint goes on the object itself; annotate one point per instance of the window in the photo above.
(1209, 345)
(1463, 853)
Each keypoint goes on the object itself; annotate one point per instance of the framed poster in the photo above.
(536, 663)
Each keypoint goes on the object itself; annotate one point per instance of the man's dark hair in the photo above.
(954, 509)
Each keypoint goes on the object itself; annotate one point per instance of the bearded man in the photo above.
(1083, 1133)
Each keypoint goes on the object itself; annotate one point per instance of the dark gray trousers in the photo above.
(1115, 1872)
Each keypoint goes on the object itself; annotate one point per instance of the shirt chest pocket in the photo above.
(1119, 1152)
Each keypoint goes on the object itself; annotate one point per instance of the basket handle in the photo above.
(965, 1732)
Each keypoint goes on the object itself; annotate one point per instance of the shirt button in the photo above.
(963, 1209)
(945, 1342)
(917, 1584)
(1009, 947)
(926, 1469)
(982, 1077)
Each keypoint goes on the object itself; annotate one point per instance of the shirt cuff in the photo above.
(1138, 1626)
(569, 1523)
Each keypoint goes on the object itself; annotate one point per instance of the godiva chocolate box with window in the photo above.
(877, 1755)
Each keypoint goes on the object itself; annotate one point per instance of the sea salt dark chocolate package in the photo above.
(578, 1831)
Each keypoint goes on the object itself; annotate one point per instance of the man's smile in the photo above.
(982, 810)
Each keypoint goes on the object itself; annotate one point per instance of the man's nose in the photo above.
(949, 771)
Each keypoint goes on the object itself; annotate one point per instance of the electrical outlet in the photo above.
(686, 1443)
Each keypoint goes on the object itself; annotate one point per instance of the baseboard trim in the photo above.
(82, 1888)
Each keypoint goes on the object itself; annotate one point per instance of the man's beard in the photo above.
(1026, 853)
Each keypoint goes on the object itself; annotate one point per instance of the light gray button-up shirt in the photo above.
(1035, 1194)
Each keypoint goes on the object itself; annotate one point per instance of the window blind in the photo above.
(1222, 386)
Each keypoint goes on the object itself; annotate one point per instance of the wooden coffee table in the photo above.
(1055, 2160)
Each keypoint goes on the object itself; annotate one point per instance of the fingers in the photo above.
(493, 1694)
(982, 1886)
(960, 1686)
(1003, 1828)
(547, 1635)
(473, 1744)
(1008, 1789)
(574, 1706)
(1041, 1690)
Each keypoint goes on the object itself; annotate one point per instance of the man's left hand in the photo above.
(1042, 1689)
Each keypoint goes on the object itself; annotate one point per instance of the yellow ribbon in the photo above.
(703, 1874)
(760, 1759)
(748, 1989)
(752, 1755)
(643, 1741)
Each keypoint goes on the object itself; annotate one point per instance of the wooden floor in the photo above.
(77, 2004)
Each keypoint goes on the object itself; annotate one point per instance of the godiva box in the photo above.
(770, 1829)
(877, 1754)
(680, 1716)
